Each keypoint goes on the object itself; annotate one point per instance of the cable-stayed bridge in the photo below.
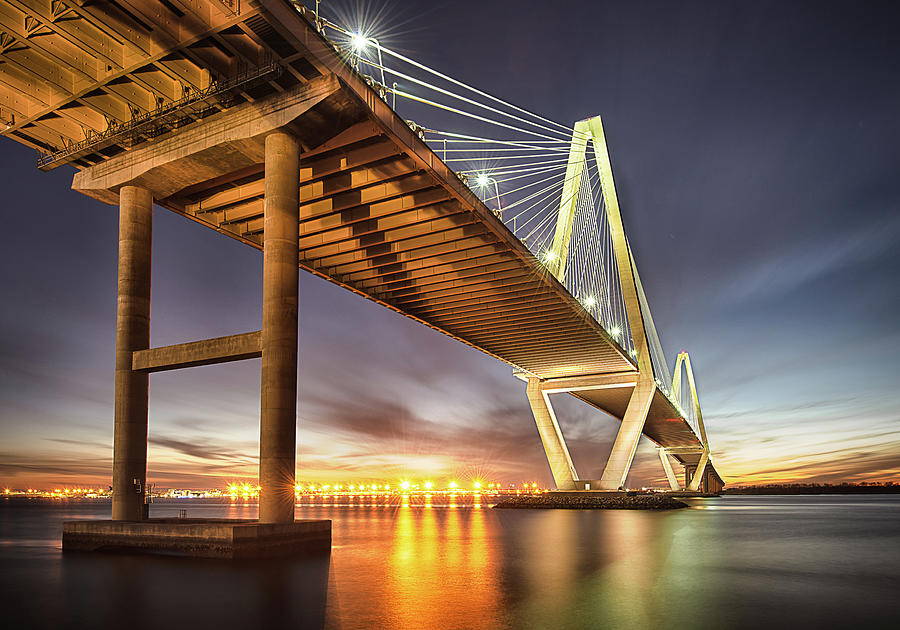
(312, 141)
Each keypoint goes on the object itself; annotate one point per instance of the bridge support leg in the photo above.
(697, 475)
(667, 466)
(278, 405)
(132, 333)
(624, 447)
(558, 457)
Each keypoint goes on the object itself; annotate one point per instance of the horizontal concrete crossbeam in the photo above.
(205, 352)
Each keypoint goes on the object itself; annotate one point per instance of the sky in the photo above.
(756, 149)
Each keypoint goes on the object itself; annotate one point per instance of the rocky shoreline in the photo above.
(598, 501)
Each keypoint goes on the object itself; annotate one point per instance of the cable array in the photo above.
(516, 162)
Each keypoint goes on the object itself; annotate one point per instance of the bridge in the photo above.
(274, 126)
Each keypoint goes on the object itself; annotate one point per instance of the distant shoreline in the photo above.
(887, 488)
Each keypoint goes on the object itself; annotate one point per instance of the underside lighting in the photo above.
(590, 301)
(615, 331)
(633, 352)
(549, 256)
(482, 180)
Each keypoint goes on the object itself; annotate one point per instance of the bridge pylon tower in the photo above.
(643, 379)
(693, 475)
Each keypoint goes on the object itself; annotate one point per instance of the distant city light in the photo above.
(240, 491)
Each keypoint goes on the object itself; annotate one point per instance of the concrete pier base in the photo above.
(230, 539)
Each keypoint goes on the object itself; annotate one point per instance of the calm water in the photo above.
(734, 562)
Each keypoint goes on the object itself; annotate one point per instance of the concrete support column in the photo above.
(667, 467)
(688, 474)
(698, 473)
(622, 454)
(278, 405)
(132, 333)
(558, 457)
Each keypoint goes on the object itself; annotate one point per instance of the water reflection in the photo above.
(420, 563)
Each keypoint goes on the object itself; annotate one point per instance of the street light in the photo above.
(483, 180)
(360, 43)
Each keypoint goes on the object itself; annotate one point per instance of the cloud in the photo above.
(203, 449)
(778, 273)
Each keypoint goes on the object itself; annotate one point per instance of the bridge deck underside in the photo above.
(376, 222)
(664, 425)
(380, 213)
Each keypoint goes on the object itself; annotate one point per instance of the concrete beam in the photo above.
(197, 152)
(589, 382)
(195, 353)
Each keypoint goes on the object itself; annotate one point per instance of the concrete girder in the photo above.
(515, 324)
(540, 309)
(506, 298)
(572, 344)
(464, 288)
(521, 291)
(504, 305)
(431, 267)
(57, 49)
(530, 340)
(341, 183)
(364, 223)
(86, 36)
(316, 164)
(138, 53)
(388, 231)
(197, 353)
(589, 382)
(485, 271)
(412, 251)
(175, 162)
(337, 216)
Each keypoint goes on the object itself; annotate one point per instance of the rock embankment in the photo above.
(579, 501)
